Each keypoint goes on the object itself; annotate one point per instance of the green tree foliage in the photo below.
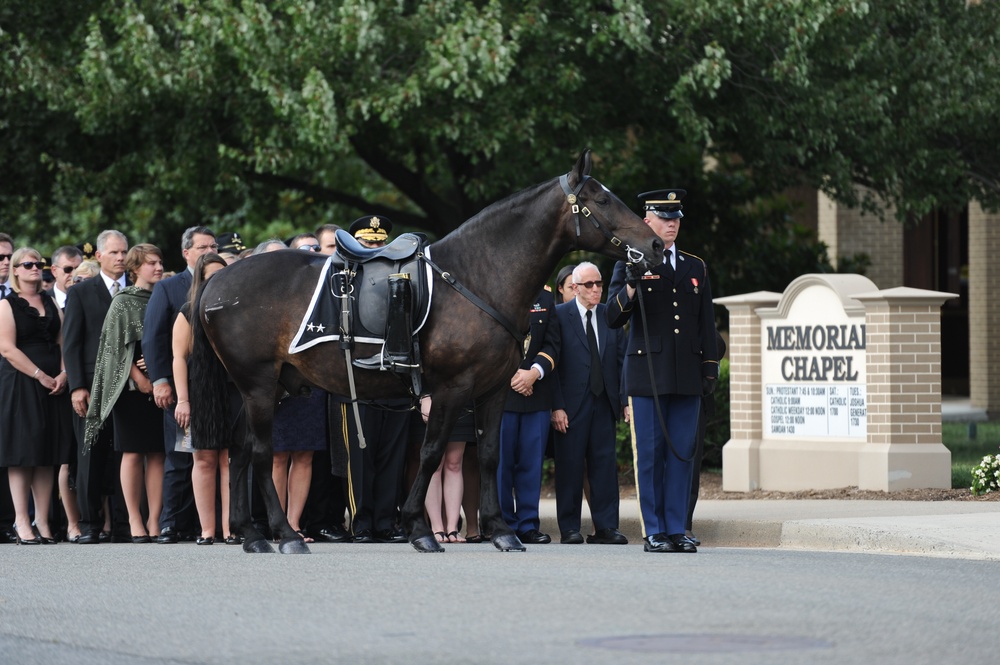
(284, 114)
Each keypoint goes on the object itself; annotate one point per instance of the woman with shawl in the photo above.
(123, 391)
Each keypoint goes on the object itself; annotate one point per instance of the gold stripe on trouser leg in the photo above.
(345, 437)
(635, 464)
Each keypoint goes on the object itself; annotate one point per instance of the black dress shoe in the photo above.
(88, 539)
(657, 543)
(167, 537)
(141, 540)
(390, 536)
(332, 535)
(571, 538)
(202, 540)
(608, 537)
(693, 538)
(681, 543)
(104, 536)
(534, 537)
(364, 536)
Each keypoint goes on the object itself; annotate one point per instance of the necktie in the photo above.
(596, 375)
(669, 266)
(3, 291)
(115, 288)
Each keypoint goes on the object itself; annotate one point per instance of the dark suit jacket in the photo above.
(87, 304)
(543, 348)
(157, 328)
(681, 323)
(574, 359)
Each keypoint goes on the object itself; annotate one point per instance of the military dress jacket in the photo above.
(542, 348)
(681, 320)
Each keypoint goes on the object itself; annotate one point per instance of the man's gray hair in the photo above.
(104, 236)
(581, 267)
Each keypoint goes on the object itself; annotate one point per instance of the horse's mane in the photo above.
(488, 217)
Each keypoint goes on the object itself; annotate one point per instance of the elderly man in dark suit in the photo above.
(168, 296)
(672, 361)
(586, 406)
(87, 304)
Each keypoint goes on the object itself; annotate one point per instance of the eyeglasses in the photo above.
(309, 248)
(599, 283)
(201, 248)
(5, 257)
(31, 265)
(66, 269)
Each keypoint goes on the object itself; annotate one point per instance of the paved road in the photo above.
(145, 604)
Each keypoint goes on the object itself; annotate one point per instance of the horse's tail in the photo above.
(207, 379)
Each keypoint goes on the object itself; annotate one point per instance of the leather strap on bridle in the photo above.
(571, 197)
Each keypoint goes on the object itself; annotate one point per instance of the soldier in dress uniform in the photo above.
(680, 344)
(524, 430)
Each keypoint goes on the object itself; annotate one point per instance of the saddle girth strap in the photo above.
(450, 280)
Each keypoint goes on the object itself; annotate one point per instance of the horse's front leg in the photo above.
(442, 418)
(489, 412)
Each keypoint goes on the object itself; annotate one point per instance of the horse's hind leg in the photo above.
(239, 502)
(489, 412)
(260, 415)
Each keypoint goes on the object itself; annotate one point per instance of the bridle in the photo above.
(572, 197)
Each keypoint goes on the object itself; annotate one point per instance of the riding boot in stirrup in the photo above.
(397, 352)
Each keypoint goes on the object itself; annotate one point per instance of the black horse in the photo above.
(250, 312)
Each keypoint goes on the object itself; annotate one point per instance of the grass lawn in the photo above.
(967, 452)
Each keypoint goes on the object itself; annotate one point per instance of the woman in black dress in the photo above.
(123, 391)
(35, 427)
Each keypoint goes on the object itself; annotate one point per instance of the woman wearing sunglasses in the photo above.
(35, 428)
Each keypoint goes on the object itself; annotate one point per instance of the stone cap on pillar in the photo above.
(755, 299)
(904, 295)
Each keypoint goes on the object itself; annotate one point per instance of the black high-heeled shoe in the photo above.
(37, 540)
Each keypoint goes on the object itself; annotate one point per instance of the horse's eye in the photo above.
(601, 200)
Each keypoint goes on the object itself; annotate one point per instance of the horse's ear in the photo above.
(582, 168)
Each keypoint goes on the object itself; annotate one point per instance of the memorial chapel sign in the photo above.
(814, 368)
(835, 383)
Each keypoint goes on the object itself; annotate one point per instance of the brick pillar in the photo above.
(904, 447)
(984, 310)
(740, 461)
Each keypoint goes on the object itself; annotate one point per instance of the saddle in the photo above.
(378, 295)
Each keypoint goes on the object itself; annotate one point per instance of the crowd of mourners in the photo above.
(95, 411)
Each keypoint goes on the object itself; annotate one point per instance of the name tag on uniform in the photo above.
(649, 276)
(538, 309)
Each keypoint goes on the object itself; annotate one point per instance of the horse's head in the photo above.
(603, 223)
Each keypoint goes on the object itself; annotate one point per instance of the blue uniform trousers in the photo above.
(662, 481)
(523, 437)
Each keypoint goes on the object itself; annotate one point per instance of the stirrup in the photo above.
(385, 363)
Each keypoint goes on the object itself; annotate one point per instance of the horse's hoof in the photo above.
(260, 546)
(508, 542)
(426, 544)
(293, 546)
